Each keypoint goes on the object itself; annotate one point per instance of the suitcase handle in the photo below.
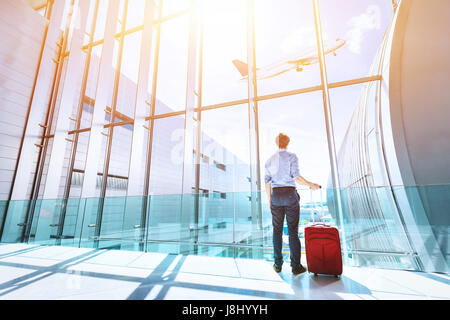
(321, 224)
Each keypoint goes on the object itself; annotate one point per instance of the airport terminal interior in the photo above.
(134, 136)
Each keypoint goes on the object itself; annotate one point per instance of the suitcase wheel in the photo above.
(315, 274)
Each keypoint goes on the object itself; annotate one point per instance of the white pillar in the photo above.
(135, 209)
(70, 86)
(39, 105)
(141, 107)
(14, 224)
(104, 85)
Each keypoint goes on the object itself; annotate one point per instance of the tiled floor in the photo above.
(33, 272)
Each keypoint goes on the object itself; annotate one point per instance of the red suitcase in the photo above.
(323, 250)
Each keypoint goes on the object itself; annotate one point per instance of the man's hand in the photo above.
(302, 181)
(314, 186)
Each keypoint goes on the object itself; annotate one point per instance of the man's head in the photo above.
(282, 141)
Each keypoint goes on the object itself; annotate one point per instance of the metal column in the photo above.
(152, 105)
(255, 173)
(187, 197)
(329, 122)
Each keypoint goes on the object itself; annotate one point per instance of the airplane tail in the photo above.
(241, 66)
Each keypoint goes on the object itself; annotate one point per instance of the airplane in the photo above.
(297, 62)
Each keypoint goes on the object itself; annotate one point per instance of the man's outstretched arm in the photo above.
(302, 181)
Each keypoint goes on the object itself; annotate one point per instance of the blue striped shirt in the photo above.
(281, 169)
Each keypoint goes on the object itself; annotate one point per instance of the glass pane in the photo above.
(111, 222)
(129, 70)
(89, 223)
(224, 190)
(344, 101)
(166, 223)
(101, 20)
(119, 161)
(223, 42)
(94, 66)
(15, 222)
(89, 22)
(174, 6)
(286, 49)
(134, 223)
(172, 67)
(135, 13)
(79, 165)
(71, 222)
(361, 24)
(374, 233)
(122, 5)
(167, 156)
(63, 180)
(170, 211)
(54, 221)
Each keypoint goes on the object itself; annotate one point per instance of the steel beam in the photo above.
(329, 123)
(187, 199)
(255, 175)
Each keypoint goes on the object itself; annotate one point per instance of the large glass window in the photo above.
(126, 95)
(224, 187)
(172, 66)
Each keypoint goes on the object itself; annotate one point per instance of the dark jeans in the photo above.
(285, 202)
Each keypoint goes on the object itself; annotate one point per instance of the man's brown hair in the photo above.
(282, 141)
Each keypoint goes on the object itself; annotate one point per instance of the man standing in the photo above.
(281, 174)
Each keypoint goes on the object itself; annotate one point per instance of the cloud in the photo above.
(361, 25)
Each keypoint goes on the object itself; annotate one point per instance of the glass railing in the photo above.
(387, 227)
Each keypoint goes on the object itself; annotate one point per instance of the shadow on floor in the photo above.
(163, 280)
(308, 286)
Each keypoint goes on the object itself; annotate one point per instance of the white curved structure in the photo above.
(393, 163)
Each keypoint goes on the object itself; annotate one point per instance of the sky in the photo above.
(283, 28)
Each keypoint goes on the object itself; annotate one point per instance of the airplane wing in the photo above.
(304, 61)
(312, 57)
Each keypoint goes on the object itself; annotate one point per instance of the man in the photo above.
(281, 174)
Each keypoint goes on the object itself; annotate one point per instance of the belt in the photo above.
(284, 188)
